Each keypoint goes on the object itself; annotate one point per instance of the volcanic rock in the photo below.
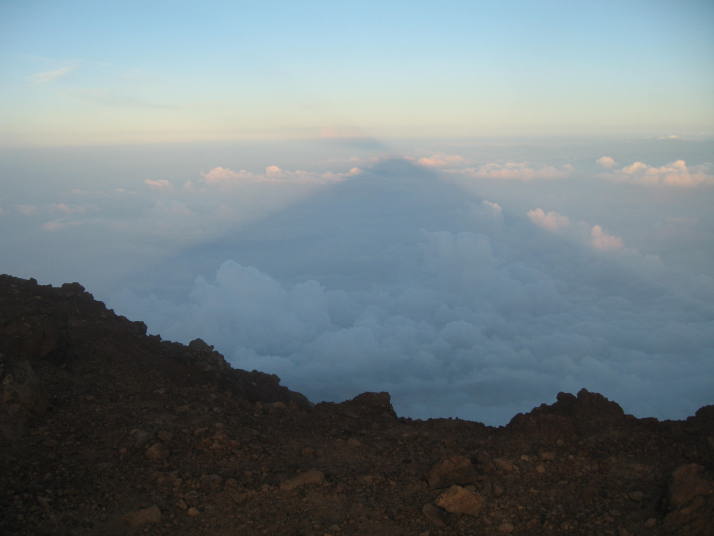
(98, 418)
(458, 500)
(303, 479)
(452, 470)
(152, 514)
(435, 515)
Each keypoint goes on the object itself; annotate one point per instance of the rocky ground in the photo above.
(107, 431)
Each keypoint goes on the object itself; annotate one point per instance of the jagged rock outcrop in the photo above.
(73, 341)
(108, 431)
(572, 414)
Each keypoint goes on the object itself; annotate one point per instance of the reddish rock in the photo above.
(435, 515)
(157, 452)
(145, 516)
(303, 479)
(687, 484)
(459, 500)
(452, 470)
(691, 502)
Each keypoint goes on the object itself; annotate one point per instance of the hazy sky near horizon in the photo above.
(86, 72)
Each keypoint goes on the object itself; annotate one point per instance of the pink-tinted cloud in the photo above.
(519, 171)
(606, 162)
(441, 160)
(593, 235)
(275, 174)
(551, 221)
(221, 175)
(599, 239)
(675, 174)
(158, 184)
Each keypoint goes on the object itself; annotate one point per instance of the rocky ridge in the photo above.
(107, 430)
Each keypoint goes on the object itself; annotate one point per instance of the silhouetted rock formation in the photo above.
(105, 430)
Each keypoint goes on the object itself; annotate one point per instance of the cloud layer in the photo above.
(224, 176)
(516, 171)
(396, 280)
(548, 220)
(676, 174)
(463, 295)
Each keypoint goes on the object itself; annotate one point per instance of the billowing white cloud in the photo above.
(548, 220)
(441, 160)
(221, 175)
(604, 241)
(676, 174)
(519, 171)
(158, 184)
(607, 162)
(597, 237)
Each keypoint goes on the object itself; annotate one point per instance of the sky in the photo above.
(471, 205)
(89, 72)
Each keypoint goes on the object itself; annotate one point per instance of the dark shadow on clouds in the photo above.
(397, 280)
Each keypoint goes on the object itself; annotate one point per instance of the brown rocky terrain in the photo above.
(107, 431)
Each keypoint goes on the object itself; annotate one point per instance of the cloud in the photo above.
(551, 221)
(387, 281)
(597, 237)
(158, 184)
(55, 74)
(441, 160)
(71, 209)
(607, 162)
(494, 207)
(675, 174)
(57, 225)
(519, 171)
(275, 174)
(27, 210)
(603, 241)
(221, 175)
(460, 304)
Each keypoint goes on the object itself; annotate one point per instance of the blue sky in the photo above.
(132, 72)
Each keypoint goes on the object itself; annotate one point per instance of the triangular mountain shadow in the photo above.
(349, 232)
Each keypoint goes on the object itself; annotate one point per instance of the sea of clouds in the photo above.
(465, 287)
